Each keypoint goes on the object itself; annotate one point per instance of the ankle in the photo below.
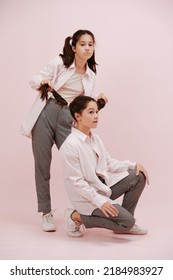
(45, 213)
(75, 216)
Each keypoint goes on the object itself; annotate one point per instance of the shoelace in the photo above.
(79, 226)
(49, 216)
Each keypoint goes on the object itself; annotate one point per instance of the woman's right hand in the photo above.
(45, 86)
(109, 210)
(49, 82)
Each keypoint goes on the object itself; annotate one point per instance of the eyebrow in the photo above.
(91, 108)
(86, 42)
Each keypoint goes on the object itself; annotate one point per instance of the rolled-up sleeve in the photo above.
(119, 166)
(47, 73)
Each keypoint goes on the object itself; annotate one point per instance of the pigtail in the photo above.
(68, 54)
(92, 63)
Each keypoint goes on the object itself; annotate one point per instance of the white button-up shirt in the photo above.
(84, 159)
(56, 72)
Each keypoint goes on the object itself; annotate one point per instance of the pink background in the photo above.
(134, 50)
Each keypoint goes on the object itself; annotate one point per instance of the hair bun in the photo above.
(101, 103)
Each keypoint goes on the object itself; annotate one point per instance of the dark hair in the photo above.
(79, 104)
(68, 53)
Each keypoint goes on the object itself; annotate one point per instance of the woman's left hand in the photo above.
(101, 95)
(140, 168)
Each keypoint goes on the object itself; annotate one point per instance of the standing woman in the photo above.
(94, 180)
(66, 76)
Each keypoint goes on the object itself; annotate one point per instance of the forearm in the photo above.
(46, 74)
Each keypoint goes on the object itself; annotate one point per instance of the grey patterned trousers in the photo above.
(131, 188)
(52, 127)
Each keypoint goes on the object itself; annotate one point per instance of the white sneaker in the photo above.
(48, 222)
(135, 230)
(72, 227)
(138, 230)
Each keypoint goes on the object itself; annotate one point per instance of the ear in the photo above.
(74, 49)
(77, 116)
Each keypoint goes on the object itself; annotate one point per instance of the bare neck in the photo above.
(80, 66)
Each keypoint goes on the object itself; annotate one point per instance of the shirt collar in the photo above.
(88, 71)
(81, 135)
(72, 65)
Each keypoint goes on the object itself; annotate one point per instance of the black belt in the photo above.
(60, 100)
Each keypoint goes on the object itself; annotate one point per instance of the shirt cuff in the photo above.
(132, 165)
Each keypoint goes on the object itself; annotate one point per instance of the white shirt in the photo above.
(72, 88)
(56, 72)
(84, 158)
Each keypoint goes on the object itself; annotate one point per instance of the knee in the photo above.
(130, 222)
(125, 219)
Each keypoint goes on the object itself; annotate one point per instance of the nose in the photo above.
(96, 116)
(87, 47)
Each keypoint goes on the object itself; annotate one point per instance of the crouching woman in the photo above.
(94, 180)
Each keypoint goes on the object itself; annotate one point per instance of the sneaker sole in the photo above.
(74, 234)
(132, 233)
(49, 230)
